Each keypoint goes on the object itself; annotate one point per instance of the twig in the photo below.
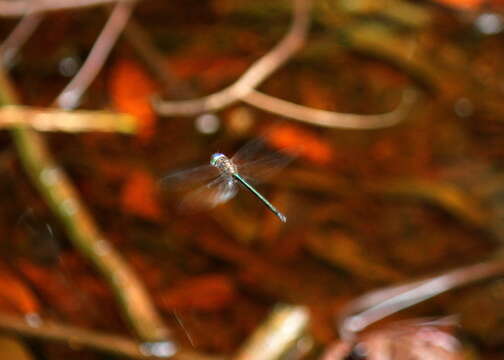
(88, 339)
(244, 89)
(46, 119)
(329, 118)
(84, 338)
(63, 199)
(70, 96)
(254, 76)
(277, 335)
(18, 8)
(379, 304)
(18, 37)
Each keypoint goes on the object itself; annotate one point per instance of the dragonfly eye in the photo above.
(215, 158)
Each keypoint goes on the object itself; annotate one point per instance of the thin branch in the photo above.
(59, 193)
(244, 89)
(33, 327)
(18, 37)
(86, 339)
(253, 77)
(70, 96)
(46, 119)
(376, 305)
(19, 8)
(331, 119)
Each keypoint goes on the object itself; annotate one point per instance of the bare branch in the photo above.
(376, 305)
(63, 199)
(19, 8)
(244, 89)
(328, 118)
(70, 96)
(49, 330)
(18, 37)
(254, 76)
(33, 327)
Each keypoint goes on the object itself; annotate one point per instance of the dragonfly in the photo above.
(223, 176)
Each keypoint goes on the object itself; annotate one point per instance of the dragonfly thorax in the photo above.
(223, 163)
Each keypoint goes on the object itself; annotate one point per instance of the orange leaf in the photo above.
(462, 4)
(131, 90)
(138, 196)
(295, 140)
(14, 295)
(207, 292)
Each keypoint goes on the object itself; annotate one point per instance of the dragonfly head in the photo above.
(215, 158)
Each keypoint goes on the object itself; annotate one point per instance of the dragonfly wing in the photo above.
(208, 196)
(251, 151)
(189, 177)
(256, 161)
(263, 168)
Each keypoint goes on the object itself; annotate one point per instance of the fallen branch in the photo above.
(47, 119)
(64, 201)
(255, 75)
(72, 93)
(244, 88)
(329, 118)
(88, 339)
(376, 305)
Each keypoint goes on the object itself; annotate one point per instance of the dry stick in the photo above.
(254, 76)
(18, 37)
(48, 330)
(63, 199)
(47, 119)
(18, 8)
(244, 90)
(70, 96)
(379, 304)
(86, 339)
(329, 118)
(277, 335)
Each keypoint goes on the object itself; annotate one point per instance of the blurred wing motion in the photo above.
(189, 178)
(251, 151)
(208, 196)
(256, 162)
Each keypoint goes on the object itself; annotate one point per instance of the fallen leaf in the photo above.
(297, 141)
(138, 196)
(131, 90)
(207, 292)
(14, 295)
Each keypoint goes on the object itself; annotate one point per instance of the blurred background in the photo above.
(392, 109)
